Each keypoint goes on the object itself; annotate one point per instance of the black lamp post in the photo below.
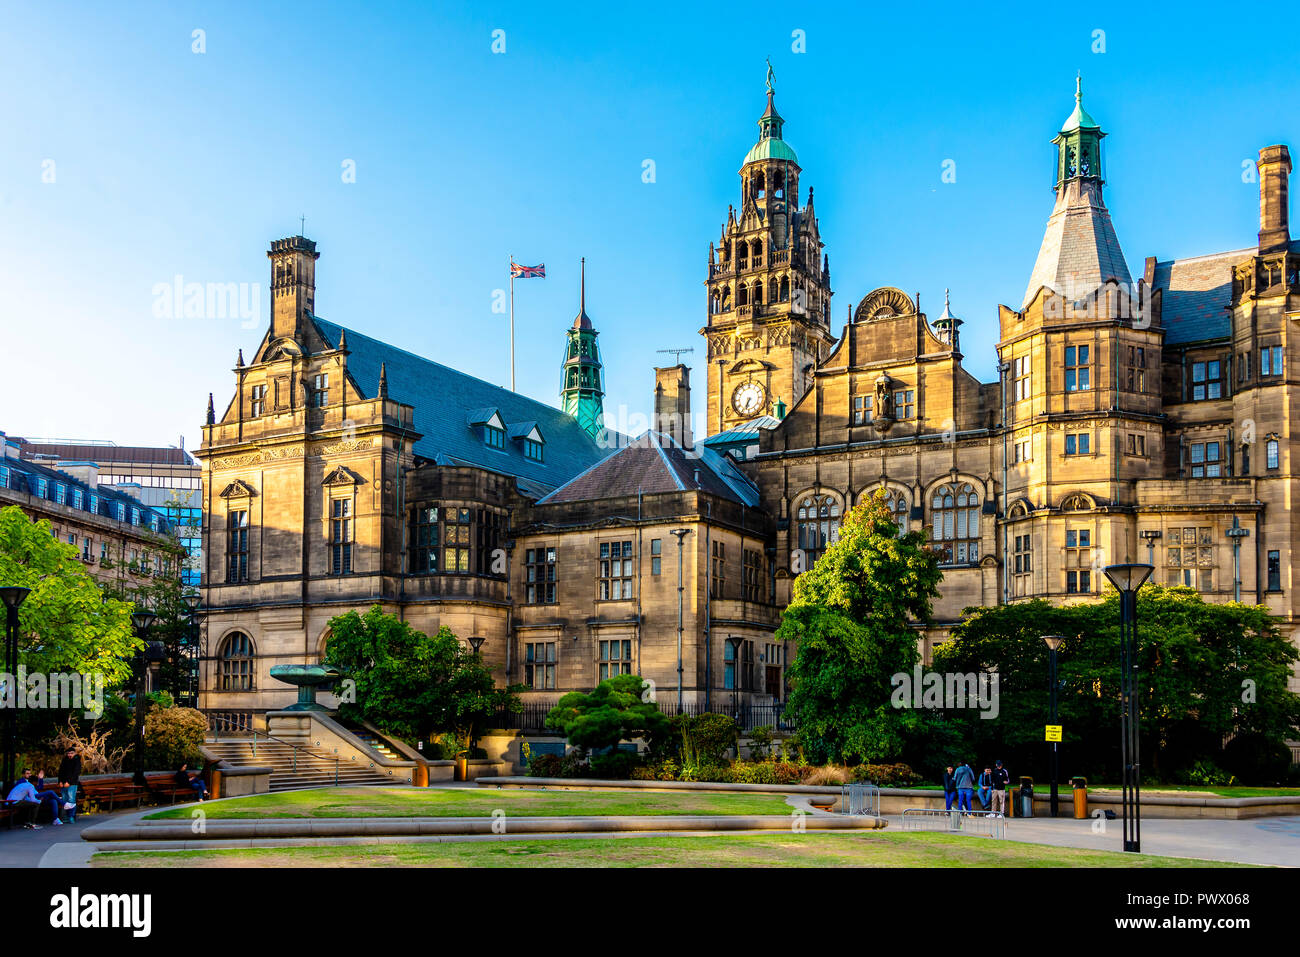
(476, 642)
(1053, 643)
(1127, 579)
(142, 621)
(191, 653)
(736, 643)
(12, 596)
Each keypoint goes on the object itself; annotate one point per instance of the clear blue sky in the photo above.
(168, 162)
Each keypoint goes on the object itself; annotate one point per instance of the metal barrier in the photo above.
(861, 798)
(954, 822)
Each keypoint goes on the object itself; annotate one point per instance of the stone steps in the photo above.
(292, 768)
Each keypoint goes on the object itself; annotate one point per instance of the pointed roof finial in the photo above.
(1079, 119)
(239, 360)
(343, 340)
(212, 415)
(383, 380)
(582, 322)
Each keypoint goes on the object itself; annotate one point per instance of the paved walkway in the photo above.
(1264, 840)
(23, 848)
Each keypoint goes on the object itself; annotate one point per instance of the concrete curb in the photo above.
(235, 831)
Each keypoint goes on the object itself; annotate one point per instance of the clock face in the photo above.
(748, 399)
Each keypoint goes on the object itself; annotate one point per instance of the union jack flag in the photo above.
(527, 272)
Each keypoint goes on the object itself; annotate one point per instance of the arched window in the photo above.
(818, 526)
(785, 289)
(773, 290)
(758, 292)
(756, 247)
(742, 295)
(955, 523)
(236, 663)
(896, 502)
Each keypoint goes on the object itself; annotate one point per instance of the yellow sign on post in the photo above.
(1054, 732)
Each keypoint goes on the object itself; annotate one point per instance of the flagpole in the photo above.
(512, 323)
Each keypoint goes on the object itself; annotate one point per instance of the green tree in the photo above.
(411, 684)
(66, 624)
(164, 595)
(850, 618)
(1208, 671)
(616, 710)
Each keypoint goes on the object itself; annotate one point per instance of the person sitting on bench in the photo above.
(48, 794)
(28, 802)
(183, 779)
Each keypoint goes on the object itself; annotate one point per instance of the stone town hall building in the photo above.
(1134, 419)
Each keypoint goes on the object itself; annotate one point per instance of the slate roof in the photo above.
(1080, 250)
(1196, 293)
(445, 401)
(654, 463)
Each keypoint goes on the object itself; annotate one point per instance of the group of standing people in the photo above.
(960, 784)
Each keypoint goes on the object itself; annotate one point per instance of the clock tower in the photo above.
(769, 287)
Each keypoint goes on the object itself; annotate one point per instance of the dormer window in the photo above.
(494, 437)
(532, 450)
(257, 401)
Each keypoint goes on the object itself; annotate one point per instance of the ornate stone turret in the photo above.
(581, 391)
(1080, 250)
(769, 285)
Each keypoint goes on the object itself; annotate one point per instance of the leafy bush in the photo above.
(545, 766)
(617, 765)
(760, 741)
(1257, 760)
(574, 766)
(174, 736)
(887, 775)
(709, 736)
(1206, 773)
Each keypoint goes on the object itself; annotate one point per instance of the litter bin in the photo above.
(1080, 786)
(1026, 797)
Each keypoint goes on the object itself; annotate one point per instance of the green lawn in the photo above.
(872, 849)
(481, 802)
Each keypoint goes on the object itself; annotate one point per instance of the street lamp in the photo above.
(476, 641)
(12, 596)
(1127, 579)
(1237, 533)
(142, 621)
(736, 642)
(1053, 643)
(681, 534)
(192, 605)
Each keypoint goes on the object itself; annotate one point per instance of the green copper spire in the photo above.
(581, 394)
(1078, 145)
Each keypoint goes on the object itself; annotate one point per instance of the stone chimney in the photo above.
(673, 404)
(1274, 170)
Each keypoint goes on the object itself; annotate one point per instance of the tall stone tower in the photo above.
(769, 287)
(582, 393)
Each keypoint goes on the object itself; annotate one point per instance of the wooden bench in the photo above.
(112, 792)
(166, 785)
